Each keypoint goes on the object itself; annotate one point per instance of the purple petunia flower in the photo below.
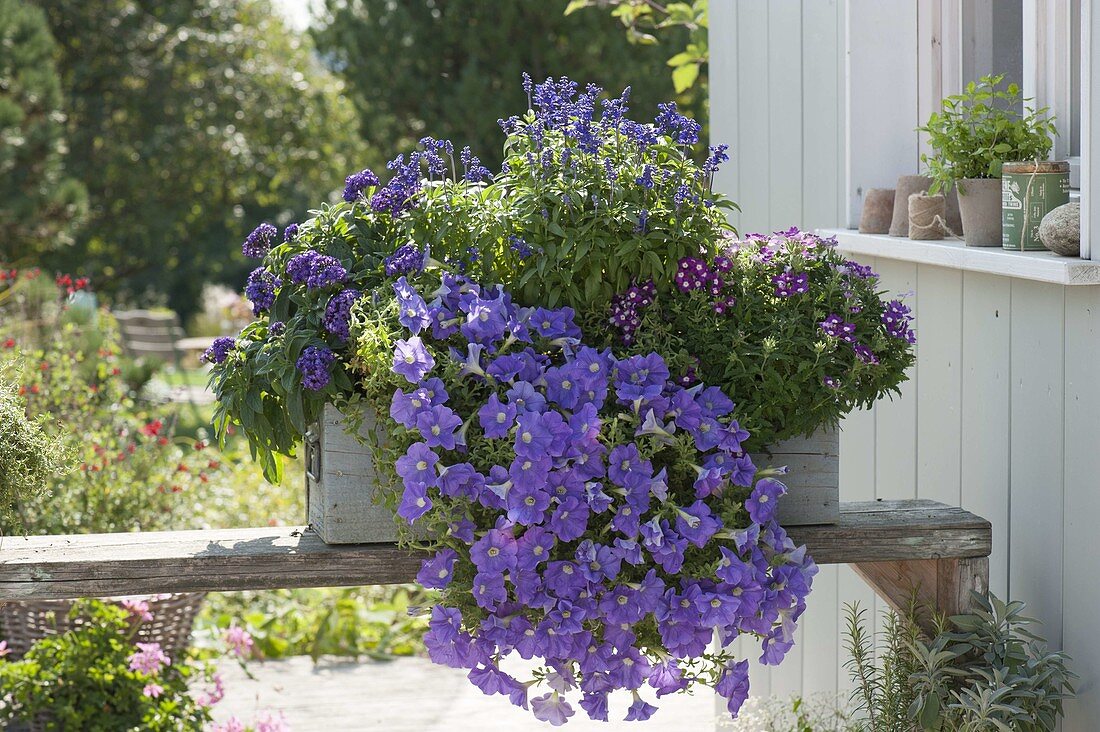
(696, 523)
(412, 360)
(764, 499)
(639, 710)
(486, 321)
(494, 552)
(414, 501)
(437, 425)
(404, 407)
(436, 573)
(570, 520)
(639, 378)
(527, 504)
(259, 241)
(525, 398)
(552, 708)
(315, 365)
(417, 465)
(496, 417)
(412, 310)
(733, 685)
(489, 590)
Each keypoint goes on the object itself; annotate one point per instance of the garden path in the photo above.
(412, 695)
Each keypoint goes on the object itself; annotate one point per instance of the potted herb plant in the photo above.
(972, 136)
(538, 362)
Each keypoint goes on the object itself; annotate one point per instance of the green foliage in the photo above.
(586, 226)
(645, 20)
(189, 120)
(883, 693)
(991, 673)
(39, 204)
(769, 353)
(125, 466)
(977, 131)
(986, 672)
(29, 458)
(360, 621)
(82, 680)
(451, 68)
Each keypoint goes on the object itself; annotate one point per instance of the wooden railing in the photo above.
(897, 546)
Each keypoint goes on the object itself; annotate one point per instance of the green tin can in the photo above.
(1028, 191)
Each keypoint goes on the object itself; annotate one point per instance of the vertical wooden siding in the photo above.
(1001, 410)
(779, 71)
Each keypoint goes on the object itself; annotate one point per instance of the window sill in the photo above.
(1039, 266)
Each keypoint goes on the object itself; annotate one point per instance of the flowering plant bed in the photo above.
(549, 357)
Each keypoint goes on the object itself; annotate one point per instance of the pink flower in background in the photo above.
(149, 659)
(153, 690)
(138, 609)
(215, 695)
(230, 725)
(269, 722)
(4, 650)
(239, 641)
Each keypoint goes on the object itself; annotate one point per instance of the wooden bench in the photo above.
(150, 333)
(894, 545)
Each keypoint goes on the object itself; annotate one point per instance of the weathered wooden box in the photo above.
(813, 480)
(341, 484)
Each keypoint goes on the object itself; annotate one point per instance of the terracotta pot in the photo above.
(980, 206)
(907, 186)
(878, 210)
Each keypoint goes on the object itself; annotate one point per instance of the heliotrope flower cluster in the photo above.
(356, 183)
(315, 364)
(219, 351)
(600, 516)
(259, 241)
(260, 289)
(338, 313)
(315, 270)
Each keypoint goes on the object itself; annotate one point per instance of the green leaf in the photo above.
(683, 78)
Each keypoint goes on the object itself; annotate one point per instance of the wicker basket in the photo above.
(22, 623)
(173, 615)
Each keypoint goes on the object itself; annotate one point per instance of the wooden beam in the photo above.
(940, 585)
(60, 567)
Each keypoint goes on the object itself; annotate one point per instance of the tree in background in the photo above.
(448, 68)
(645, 19)
(39, 205)
(189, 122)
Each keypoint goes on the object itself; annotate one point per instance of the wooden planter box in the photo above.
(813, 483)
(340, 482)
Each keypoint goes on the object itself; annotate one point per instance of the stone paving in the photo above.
(414, 695)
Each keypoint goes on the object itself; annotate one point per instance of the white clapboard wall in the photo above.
(1001, 414)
